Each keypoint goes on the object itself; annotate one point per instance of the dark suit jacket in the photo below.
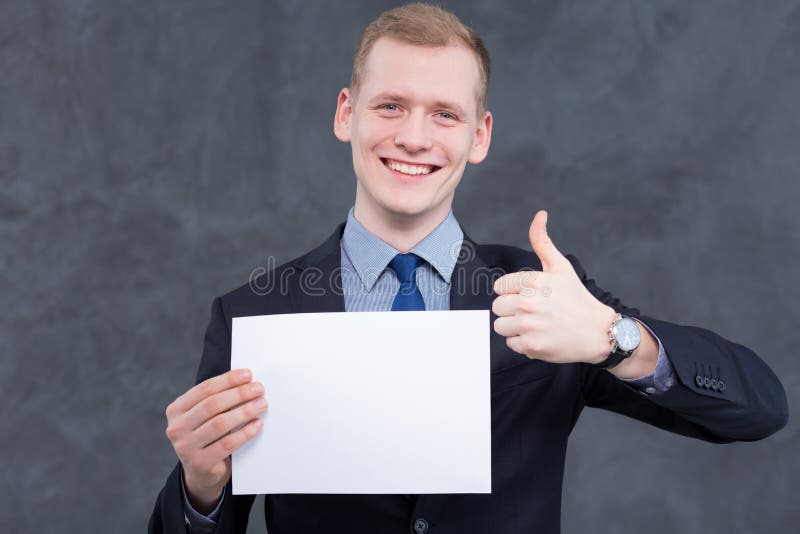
(535, 405)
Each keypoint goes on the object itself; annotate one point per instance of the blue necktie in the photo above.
(408, 296)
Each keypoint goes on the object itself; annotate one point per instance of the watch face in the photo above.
(626, 332)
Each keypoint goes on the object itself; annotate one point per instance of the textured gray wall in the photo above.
(153, 152)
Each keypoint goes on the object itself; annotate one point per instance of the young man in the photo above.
(415, 114)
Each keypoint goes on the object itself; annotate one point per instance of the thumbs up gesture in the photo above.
(549, 314)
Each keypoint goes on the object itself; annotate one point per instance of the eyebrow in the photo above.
(399, 98)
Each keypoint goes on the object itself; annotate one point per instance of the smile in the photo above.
(409, 169)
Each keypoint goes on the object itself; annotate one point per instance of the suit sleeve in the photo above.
(723, 391)
(168, 515)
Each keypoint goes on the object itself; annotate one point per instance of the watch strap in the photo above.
(614, 359)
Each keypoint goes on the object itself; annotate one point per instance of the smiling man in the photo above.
(414, 115)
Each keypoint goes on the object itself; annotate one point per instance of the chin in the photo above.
(401, 201)
(405, 210)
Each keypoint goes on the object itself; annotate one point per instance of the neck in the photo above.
(399, 230)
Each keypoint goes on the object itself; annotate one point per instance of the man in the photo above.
(415, 114)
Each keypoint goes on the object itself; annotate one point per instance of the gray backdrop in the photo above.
(153, 153)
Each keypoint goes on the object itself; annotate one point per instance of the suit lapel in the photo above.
(472, 289)
(471, 284)
(316, 278)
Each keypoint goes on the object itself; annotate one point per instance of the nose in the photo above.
(413, 134)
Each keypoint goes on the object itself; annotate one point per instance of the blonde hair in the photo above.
(422, 25)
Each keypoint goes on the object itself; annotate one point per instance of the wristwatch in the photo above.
(625, 337)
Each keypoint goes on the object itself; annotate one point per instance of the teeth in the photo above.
(409, 169)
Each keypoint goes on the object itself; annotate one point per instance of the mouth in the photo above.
(409, 170)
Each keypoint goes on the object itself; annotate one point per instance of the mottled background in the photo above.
(153, 153)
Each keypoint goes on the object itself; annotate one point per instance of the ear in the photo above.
(483, 138)
(344, 111)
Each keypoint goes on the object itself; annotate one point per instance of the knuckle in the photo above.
(212, 405)
(228, 444)
(219, 470)
(531, 344)
(173, 432)
(513, 344)
(244, 392)
(509, 284)
(251, 410)
(506, 284)
(233, 378)
(180, 448)
(528, 323)
(528, 306)
(219, 425)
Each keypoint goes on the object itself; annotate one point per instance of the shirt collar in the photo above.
(370, 255)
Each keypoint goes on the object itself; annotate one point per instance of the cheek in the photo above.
(457, 148)
(372, 133)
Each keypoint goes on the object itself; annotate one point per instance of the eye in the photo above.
(390, 107)
(447, 115)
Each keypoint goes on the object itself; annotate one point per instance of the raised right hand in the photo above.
(201, 424)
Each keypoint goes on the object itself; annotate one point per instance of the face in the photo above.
(413, 126)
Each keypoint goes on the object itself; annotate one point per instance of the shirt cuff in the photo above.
(662, 378)
(197, 522)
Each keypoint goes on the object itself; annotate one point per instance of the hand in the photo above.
(549, 314)
(203, 427)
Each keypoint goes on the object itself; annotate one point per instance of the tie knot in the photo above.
(405, 266)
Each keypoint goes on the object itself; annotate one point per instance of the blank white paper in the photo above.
(367, 402)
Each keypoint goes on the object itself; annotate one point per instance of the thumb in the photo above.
(552, 260)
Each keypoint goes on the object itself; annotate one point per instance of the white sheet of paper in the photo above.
(367, 402)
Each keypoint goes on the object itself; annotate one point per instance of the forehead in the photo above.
(422, 73)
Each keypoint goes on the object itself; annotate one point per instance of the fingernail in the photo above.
(255, 387)
(261, 403)
(244, 374)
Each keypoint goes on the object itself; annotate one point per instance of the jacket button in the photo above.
(706, 382)
(698, 380)
(714, 384)
(420, 526)
(721, 385)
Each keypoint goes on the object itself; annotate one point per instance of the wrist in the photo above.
(203, 498)
(604, 347)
